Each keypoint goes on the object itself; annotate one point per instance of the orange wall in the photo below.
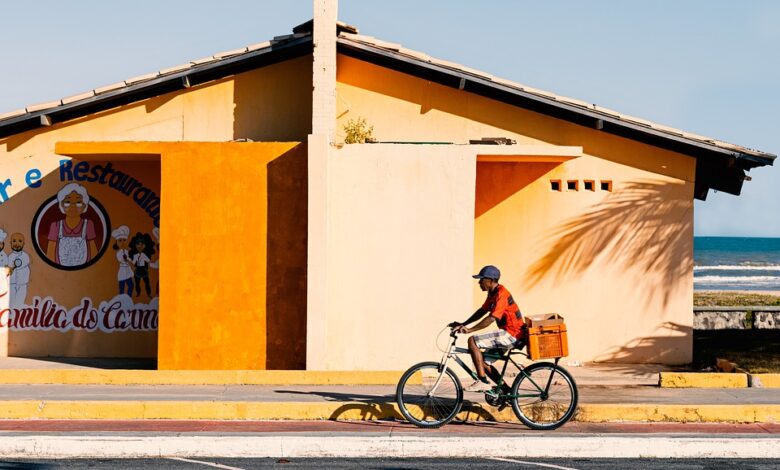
(214, 210)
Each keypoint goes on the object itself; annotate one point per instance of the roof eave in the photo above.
(579, 115)
(196, 75)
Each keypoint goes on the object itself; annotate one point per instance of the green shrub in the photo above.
(358, 131)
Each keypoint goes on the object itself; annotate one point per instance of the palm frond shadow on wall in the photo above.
(644, 227)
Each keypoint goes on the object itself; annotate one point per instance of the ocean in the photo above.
(736, 263)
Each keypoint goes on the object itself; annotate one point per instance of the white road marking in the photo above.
(537, 464)
(209, 464)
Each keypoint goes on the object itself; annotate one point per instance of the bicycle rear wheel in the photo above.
(542, 410)
(423, 406)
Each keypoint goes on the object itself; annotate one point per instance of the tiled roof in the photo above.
(190, 69)
(575, 104)
(282, 47)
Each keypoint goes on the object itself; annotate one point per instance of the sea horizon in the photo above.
(724, 263)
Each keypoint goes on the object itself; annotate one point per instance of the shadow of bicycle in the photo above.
(361, 407)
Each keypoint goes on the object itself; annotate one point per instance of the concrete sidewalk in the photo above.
(142, 371)
(355, 402)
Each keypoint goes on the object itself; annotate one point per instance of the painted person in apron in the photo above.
(141, 251)
(125, 273)
(72, 238)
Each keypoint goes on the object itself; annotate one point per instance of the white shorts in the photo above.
(499, 339)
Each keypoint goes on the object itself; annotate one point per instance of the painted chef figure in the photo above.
(72, 238)
(125, 273)
(19, 266)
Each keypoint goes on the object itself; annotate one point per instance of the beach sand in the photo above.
(742, 292)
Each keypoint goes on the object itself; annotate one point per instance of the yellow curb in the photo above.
(599, 413)
(228, 410)
(198, 377)
(765, 380)
(702, 380)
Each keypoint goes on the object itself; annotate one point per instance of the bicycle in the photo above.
(543, 396)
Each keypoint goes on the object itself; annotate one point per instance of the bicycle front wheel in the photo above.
(426, 401)
(538, 406)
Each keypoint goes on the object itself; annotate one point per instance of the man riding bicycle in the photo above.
(504, 311)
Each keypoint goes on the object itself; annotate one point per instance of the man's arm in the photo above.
(474, 317)
(483, 324)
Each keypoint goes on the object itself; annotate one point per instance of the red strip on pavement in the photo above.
(195, 426)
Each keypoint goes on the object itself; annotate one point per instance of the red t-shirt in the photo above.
(503, 308)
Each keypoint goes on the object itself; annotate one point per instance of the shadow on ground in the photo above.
(383, 407)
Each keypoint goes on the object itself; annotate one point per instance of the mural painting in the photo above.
(66, 296)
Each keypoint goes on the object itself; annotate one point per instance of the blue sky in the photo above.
(709, 67)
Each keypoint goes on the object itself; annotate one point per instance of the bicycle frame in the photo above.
(453, 352)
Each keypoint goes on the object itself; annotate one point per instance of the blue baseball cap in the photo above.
(488, 272)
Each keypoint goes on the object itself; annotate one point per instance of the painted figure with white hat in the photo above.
(3, 255)
(19, 265)
(125, 273)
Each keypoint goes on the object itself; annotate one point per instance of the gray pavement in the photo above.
(588, 373)
(364, 394)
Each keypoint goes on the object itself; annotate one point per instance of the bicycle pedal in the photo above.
(503, 405)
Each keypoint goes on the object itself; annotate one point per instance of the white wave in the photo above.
(736, 279)
(727, 267)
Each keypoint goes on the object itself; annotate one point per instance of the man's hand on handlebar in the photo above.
(457, 327)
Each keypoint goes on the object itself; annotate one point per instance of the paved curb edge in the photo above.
(236, 410)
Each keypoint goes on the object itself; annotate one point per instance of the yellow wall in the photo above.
(97, 282)
(617, 265)
(272, 103)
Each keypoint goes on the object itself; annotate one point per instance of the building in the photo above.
(286, 249)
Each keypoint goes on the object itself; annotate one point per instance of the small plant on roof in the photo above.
(358, 131)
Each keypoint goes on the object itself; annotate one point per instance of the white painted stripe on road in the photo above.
(537, 464)
(142, 445)
(208, 464)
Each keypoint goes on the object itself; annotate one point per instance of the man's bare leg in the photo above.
(476, 356)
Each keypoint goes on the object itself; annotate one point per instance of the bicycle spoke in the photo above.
(422, 407)
(540, 409)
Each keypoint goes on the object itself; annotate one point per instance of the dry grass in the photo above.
(729, 299)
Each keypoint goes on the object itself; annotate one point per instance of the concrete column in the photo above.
(317, 259)
(324, 70)
(319, 147)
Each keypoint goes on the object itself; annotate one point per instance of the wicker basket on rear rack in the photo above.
(547, 336)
